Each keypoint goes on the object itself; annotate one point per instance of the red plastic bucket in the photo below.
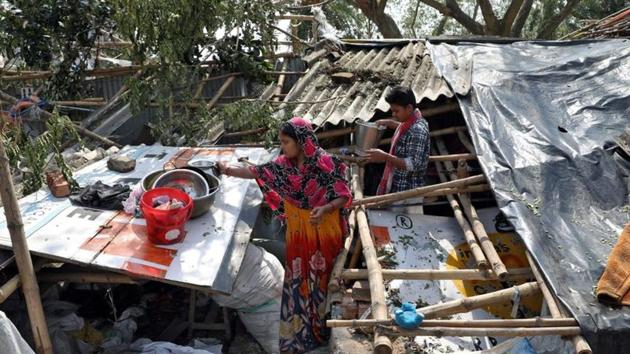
(166, 226)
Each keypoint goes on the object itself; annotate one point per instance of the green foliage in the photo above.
(348, 20)
(254, 114)
(30, 154)
(181, 36)
(55, 35)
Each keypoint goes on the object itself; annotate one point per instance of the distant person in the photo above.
(407, 160)
(308, 187)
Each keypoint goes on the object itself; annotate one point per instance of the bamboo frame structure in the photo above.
(23, 257)
(471, 240)
(418, 192)
(477, 226)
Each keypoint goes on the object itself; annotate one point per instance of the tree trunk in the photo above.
(387, 26)
(549, 27)
(521, 18)
(439, 30)
(375, 11)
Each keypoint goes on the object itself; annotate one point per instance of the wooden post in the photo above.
(420, 191)
(23, 257)
(437, 274)
(556, 310)
(475, 323)
(474, 302)
(477, 226)
(382, 344)
(478, 256)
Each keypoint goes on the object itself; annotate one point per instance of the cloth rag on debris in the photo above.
(102, 196)
(614, 285)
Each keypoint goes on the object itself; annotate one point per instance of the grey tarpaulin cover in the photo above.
(544, 117)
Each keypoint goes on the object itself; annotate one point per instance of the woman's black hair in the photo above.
(288, 130)
(401, 96)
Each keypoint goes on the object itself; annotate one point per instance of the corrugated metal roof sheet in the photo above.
(377, 68)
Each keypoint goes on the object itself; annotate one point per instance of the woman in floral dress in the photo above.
(307, 188)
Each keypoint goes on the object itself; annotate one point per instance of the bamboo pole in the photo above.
(486, 332)
(475, 323)
(220, 92)
(23, 257)
(334, 284)
(382, 344)
(477, 226)
(9, 288)
(438, 274)
(465, 141)
(296, 17)
(556, 310)
(551, 303)
(357, 187)
(85, 277)
(469, 236)
(278, 90)
(81, 103)
(14, 283)
(419, 192)
(452, 157)
(445, 108)
(474, 302)
(441, 193)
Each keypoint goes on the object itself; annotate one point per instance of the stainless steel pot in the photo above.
(367, 136)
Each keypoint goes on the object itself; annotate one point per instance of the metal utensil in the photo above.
(367, 136)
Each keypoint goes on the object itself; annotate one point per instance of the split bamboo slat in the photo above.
(30, 289)
(438, 274)
(474, 302)
(418, 192)
(477, 226)
(499, 323)
(556, 309)
(382, 344)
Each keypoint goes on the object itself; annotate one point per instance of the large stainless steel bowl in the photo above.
(186, 180)
(367, 136)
